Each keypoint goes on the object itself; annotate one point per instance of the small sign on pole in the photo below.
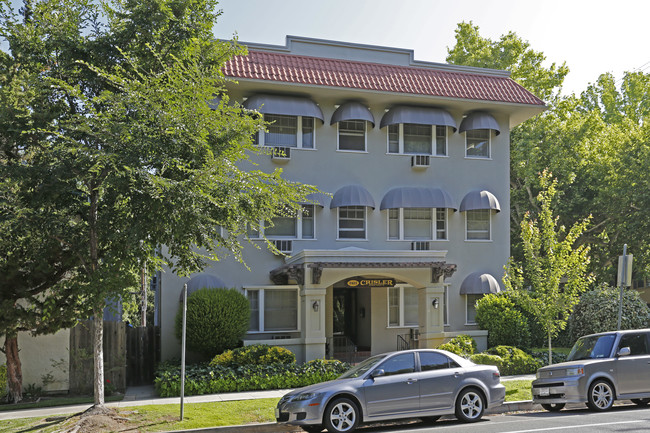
(624, 280)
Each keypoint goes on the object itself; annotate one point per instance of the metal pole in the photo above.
(183, 348)
(623, 283)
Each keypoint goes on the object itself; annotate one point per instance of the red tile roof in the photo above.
(291, 68)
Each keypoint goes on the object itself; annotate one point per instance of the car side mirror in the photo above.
(624, 351)
(378, 373)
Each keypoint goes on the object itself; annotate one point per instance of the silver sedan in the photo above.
(420, 383)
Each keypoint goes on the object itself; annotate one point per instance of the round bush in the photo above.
(257, 354)
(462, 345)
(217, 319)
(515, 361)
(486, 358)
(505, 324)
(597, 311)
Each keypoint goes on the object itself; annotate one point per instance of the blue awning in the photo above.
(287, 105)
(352, 111)
(479, 120)
(418, 115)
(478, 283)
(317, 198)
(416, 197)
(479, 200)
(352, 195)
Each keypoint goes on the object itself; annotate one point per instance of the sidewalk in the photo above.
(145, 395)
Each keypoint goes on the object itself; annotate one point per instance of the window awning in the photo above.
(418, 197)
(479, 120)
(287, 105)
(478, 283)
(352, 195)
(352, 111)
(317, 199)
(479, 200)
(203, 281)
(418, 115)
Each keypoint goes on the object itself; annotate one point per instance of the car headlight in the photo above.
(305, 396)
(577, 371)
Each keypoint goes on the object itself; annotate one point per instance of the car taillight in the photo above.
(496, 375)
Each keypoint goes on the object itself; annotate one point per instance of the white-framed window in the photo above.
(477, 143)
(352, 222)
(288, 226)
(470, 308)
(287, 131)
(273, 310)
(352, 135)
(402, 307)
(478, 224)
(417, 224)
(411, 138)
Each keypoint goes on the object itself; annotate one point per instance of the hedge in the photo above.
(505, 324)
(3, 382)
(256, 354)
(462, 345)
(510, 360)
(206, 379)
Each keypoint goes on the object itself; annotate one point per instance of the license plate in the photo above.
(277, 413)
(544, 392)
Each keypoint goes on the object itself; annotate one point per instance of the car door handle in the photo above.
(410, 381)
(456, 374)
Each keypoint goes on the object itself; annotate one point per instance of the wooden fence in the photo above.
(142, 354)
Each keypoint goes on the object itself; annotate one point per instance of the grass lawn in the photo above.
(56, 401)
(156, 418)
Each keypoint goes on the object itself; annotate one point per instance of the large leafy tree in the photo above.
(553, 274)
(127, 144)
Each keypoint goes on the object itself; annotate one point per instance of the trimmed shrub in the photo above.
(462, 345)
(257, 354)
(514, 360)
(204, 379)
(3, 382)
(597, 311)
(486, 358)
(217, 319)
(505, 324)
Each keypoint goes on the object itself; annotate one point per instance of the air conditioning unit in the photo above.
(420, 160)
(420, 246)
(284, 246)
(281, 153)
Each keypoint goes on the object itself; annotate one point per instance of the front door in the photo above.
(345, 319)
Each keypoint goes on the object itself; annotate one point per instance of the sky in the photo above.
(592, 37)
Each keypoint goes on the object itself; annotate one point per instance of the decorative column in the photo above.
(431, 302)
(313, 308)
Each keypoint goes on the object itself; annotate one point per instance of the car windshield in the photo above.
(594, 347)
(361, 368)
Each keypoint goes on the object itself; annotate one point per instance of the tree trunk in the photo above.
(550, 352)
(98, 340)
(14, 369)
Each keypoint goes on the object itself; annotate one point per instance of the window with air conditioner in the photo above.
(417, 224)
(287, 225)
(287, 131)
(415, 139)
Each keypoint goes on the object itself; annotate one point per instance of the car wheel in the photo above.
(601, 395)
(641, 401)
(553, 407)
(341, 415)
(470, 405)
(312, 428)
(430, 419)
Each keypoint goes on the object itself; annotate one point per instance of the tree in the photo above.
(554, 271)
(129, 139)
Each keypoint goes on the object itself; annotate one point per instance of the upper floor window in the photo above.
(352, 135)
(417, 139)
(287, 131)
(417, 224)
(478, 224)
(352, 222)
(287, 226)
(477, 143)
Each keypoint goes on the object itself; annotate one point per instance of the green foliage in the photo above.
(541, 356)
(217, 319)
(511, 360)
(3, 382)
(257, 354)
(462, 345)
(505, 324)
(554, 272)
(597, 311)
(204, 379)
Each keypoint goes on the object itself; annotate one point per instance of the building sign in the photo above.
(371, 282)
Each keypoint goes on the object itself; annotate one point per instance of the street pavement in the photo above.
(145, 395)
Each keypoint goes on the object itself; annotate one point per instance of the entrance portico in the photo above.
(320, 274)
